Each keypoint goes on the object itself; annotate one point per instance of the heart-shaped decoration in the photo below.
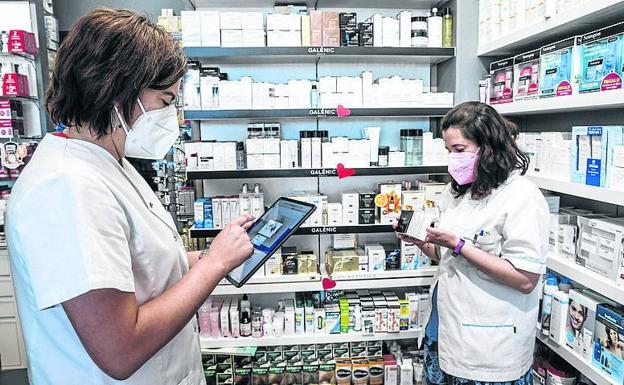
(342, 111)
(344, 172)
(328, 283)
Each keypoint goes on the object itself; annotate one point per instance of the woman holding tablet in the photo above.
(491, 242)
(105, 291)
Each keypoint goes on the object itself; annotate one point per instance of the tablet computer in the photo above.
(269, 233)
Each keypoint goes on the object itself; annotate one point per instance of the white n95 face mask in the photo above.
(153, 133)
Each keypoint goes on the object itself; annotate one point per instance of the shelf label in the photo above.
(324, 230)
(323, 172)
(323, 112)
(321, 51)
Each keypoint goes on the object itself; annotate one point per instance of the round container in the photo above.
(420, 39)
(419, 23)
(417, 155)
(560, 376)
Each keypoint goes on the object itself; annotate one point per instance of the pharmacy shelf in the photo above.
(312, 54)
(591, 372)
(317, 4)
(20, 98)
(19, 55)
(306, 339)
(599, 194)
(313, 173)
(593, 101)
(313, 113)
(344, 281)
(317, 230)
(587, 278)
(580, 19)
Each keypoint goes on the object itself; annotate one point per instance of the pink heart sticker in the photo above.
(328, 283)
(344, 172)
(342, 111)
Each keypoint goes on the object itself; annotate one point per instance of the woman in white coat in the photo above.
(491, 242)
(105, 291)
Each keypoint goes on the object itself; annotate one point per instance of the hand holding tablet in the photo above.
(269, 233)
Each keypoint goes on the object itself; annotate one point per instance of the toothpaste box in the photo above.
(560, 68)
(601, 59)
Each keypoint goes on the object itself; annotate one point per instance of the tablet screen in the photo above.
(269, 233)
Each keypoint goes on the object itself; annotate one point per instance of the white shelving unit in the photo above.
(574, 103)
(600, 194)
(344, 281)
(587, 278)
(575, 20)
(591, 372)
(303, 339)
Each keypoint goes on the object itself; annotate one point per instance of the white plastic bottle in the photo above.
(434, 27)
(549, 291)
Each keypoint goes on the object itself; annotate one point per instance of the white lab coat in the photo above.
(78, 221)
(487, 329)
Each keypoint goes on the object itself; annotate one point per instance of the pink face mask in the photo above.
(461, 166)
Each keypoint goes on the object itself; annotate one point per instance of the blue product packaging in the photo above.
(601, 59)
(198, 213)
(608, 342)
(560, 68)
(592, 153)
(208, 218)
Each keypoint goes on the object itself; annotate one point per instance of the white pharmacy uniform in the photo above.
(78, 221)
(487, 329)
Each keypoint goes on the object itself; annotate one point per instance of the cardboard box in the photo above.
(526, 75)
(609, 321)
(501, 78)
(601, 59)
(592, 150)
(560, 67)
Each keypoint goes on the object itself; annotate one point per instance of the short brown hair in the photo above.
(109, 57)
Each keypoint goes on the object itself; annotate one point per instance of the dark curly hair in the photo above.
(499, 154)
(109, 57)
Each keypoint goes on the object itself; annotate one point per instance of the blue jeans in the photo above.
(433, 375)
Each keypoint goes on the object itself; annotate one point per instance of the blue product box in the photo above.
(592, 153)
(601, 59)
(198, 213)
(208, 217)
(560, 68)
(202, 210)
(608, 339)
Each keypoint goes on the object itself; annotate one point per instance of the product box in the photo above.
(559, 317)
(210, 28)
(608, 337)
(410, 255)
(15, 84)
(560, 67)
(366, 217)
(592, 153)
(526, 75)
(22, 42)
(601, 59)
(344, 371)
(501, 78)
(581, 321)
(413, 200)
(203, 213)
(389, 204)
(376, 257)
(600, 247)
(367, 200)
(191, 28)
(332, 320)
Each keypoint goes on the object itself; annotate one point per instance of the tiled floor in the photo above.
(13, 377)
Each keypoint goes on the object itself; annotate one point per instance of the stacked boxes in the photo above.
(592, 153)
(560, 68)
(283, 30)
(526, 75)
